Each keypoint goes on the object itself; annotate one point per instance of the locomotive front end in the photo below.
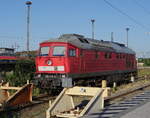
(51, 66)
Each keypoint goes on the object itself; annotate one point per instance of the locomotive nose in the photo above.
(52, 59)
(50, 65)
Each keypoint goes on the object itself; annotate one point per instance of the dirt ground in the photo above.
(38, 111)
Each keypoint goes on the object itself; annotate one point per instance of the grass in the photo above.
(142, 72)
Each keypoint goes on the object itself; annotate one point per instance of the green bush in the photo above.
(24, 70)
(146, 61)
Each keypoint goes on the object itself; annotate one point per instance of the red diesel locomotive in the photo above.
(7, 55)
(73, 59)
(7, 59)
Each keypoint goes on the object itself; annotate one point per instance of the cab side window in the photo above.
(107, 55)
(72, 52)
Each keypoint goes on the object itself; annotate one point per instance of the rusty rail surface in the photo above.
(126, 92)
(35, 101)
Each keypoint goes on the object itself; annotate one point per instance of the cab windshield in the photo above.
(59, 51)
(44, 51)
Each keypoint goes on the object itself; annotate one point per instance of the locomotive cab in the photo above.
(54, 61)
(51, 58)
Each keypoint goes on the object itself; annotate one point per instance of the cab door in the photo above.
(82, 64)
(73, 59)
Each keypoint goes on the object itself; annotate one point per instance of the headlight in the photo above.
(39, 75)
(49, 62)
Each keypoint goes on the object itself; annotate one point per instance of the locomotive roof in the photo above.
(88, 43)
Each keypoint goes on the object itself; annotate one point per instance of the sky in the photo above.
(51, 18)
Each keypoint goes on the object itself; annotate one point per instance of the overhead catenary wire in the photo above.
(125, 14)
(140, 5)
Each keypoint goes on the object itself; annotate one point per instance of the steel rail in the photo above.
(126, 92)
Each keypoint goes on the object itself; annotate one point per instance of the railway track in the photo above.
(44, 98)
(36, 101)
(117, 110)
(123, 96)
(127, 92)
(123, 102)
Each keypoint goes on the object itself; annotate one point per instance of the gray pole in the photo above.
(92, 20)
(127, 29)
(28, 3)
(112, 37)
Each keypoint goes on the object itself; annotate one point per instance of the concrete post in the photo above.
(114, 86)
(104, 83)
(132, 78)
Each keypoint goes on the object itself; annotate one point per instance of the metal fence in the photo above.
(19, 43)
